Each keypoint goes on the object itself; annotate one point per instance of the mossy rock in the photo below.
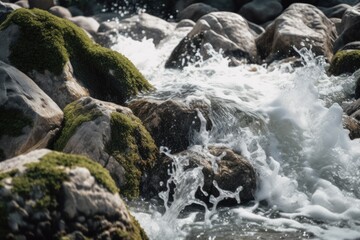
(47, 42)
(74, 116)
(346, 61)
(132, 145)
(38, 187)
(112, 136)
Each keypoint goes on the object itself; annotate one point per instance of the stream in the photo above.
(286, 121)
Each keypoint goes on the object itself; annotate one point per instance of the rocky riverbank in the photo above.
(74, 139)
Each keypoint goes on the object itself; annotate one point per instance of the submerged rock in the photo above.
(51, 195)
(171, 123)
(300, 25)
(112, 136)
(55, 52)
(29, 118)
(220, 30)
(353, 125)
(230, 171)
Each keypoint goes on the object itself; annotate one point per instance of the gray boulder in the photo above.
(300, 25)
(52, 195)
(222, 30)
(6, 8)
(171, 123)
(335, 11)
(332, 3)
(261, 11)
(350, 23)
(41, 4)
(195, 11)
(112, 136)
(352, 125)
(145, 26)
(60, 11)
(29, 118)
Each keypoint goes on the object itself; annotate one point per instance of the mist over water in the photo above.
(287, 121)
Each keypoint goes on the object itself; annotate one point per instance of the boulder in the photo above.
(345, 61)
(229, 169)
(23, 3)
(29, 118)
(55, 51)
(261, 11)
(300, 25)
(352, 109)
(89, 24)
(146, 26)
(195, 11)
(225, 31)
(52, 195)
(350, 24)
(5, 9)
(41, 4)
(112, 136)
(332, 3)
(171, 123)
(336, 11)
(60, 11)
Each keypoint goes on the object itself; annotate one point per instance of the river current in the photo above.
(286, 121)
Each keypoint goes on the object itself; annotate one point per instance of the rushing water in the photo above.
(286, 121)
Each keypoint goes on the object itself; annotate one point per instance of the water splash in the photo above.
(287, 122)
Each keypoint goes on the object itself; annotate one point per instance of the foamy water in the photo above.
(287, 122)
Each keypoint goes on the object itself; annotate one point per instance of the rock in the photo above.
(23, 3)
(233, 171)
(222, 30)
(352, 125)
(352, 108)
(29, 118)
(261, 11)
(41, 4)
(5, 9)
(332, 3)
(350, 24)
(89, 24)
(145, 26)
(352, 46)
(60, 11)
(64, 52)
(335, 11)
(195, 11)
(345, 61)
(186, 23)
(300, 25)
(170, 123)
(50, 192)
(112, 136)
(224, 5)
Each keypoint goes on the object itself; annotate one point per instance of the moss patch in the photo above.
(12, 122)
(347, 61)
(47, 42)
(132, 145)
(49, 174)
(74, 115)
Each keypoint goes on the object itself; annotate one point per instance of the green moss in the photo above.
(12, 122)
(100, 174)
(347, 61)
(136, 232)
(74, 115)
(133, 147)
(49, 174)
(47, 42)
